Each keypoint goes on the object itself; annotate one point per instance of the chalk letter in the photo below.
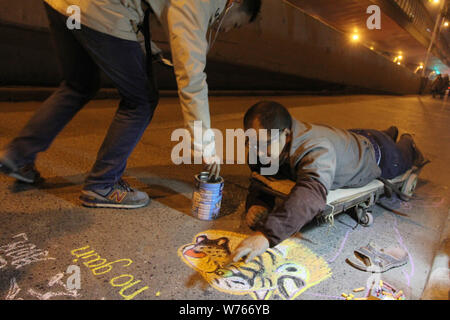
(113, 280)
(73, 252)
(89, 263)
(108, 266)
(127, 285)
(134, 294)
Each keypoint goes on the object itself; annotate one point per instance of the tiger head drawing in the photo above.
(206, 254)
(285, 271)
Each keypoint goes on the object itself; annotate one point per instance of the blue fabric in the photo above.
(82, 54)
(374, 143)
(396, 158)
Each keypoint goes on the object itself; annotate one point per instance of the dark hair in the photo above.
(270, 114)
(252, 8)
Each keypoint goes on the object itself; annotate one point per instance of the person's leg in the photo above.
(393, 160)
(398, 157)
(81, 82)
(123, 61)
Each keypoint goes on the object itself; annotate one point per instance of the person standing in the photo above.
(107, 41)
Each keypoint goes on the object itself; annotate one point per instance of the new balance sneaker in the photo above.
(120, 196)
(27, 173)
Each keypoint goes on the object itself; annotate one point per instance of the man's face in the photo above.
(235, 18)
(269, 145)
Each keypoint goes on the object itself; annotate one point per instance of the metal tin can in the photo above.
(207, 197)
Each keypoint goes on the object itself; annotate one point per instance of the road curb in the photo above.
(19, 94)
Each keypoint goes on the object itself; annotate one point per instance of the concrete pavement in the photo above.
(51, 227)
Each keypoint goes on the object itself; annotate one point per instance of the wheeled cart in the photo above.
(358, 202)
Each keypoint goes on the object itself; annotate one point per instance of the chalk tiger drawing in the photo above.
(284, 271)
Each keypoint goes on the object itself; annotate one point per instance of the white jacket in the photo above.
(186, 23)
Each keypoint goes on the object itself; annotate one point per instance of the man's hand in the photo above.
(251, 247)
(254, 214)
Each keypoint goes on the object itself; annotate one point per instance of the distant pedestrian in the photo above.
(439, 86)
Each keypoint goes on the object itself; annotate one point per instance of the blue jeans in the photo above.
(396, 157)
(82, 54)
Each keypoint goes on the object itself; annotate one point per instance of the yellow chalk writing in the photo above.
(100, 266)
(126, 285)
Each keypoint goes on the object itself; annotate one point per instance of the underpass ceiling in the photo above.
(349, 16)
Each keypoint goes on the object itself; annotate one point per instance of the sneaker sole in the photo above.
(89, 204)
(20, 178)
(6, 170)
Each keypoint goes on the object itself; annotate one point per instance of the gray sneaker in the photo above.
(120, 196)
(27, 173)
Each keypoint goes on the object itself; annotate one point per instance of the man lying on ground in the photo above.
(318, 158)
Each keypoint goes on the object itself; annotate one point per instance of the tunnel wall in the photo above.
(284, 49)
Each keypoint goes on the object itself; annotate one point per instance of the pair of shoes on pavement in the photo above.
(119, 196)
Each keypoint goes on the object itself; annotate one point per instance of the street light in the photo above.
(355, 35)
(420, 67)
(398, 58)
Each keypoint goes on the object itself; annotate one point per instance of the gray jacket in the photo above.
(337, 158)
(321, 158)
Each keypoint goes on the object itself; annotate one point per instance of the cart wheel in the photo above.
(365, 218)
(410, 184)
